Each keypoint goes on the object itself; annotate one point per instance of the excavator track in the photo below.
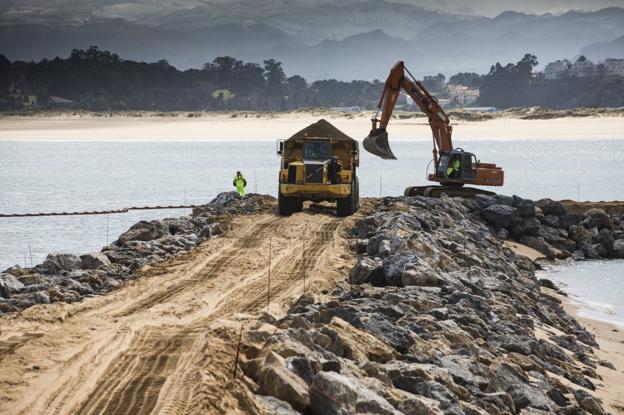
(451, 191)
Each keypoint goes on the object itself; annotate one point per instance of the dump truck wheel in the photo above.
(297, 205)
(349, 205)
(286, 205)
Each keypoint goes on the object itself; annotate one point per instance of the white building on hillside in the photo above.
(614, 67)
(557, 69)
(583, 67)
(462, 95)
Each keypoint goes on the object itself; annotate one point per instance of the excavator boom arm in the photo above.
(377, 141)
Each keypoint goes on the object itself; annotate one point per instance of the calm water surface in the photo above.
(596, 286)
(74, 176)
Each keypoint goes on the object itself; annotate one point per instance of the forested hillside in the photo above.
(99, 80)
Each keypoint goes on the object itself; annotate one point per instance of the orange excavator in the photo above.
(453, 167)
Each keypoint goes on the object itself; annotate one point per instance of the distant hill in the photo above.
(602, 50)
(317, 39)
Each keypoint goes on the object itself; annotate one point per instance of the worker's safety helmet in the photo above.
(238, 172)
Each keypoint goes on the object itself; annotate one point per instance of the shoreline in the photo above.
(610, 337)
(608, 334)
(240, 126)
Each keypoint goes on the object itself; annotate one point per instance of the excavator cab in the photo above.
(467, 166)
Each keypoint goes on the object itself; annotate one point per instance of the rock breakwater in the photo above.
(550, 228)
(437, 317)
(70, 278)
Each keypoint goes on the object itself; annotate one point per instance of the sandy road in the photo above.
(165, 343)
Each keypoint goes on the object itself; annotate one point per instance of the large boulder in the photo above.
(617, 250)
(143, 231)
(516, 384)
(332, 394)
(579, 234)
(588, 402)
(526, 207)
(367, 270)
(422, 275)
(275, 379)
(501, 216)
(597, 218)
(94, 260)
(551, 207)
(605, 238)
(565, 221)
(528, 226)
(9, 285)
(589, 250)
(55, 263)
(552, 221)
(539, 244)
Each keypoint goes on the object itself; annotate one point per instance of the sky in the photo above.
(481, 7)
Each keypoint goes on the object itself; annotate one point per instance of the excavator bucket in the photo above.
(377, 143)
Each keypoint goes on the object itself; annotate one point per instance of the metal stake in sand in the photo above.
(578, 192)
(380, 186)
(30, 253)
(106, 230)
(255, 184)
(269, 279)
(240, 338)
(303, 255)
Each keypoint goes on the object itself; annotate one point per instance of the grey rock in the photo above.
(501, 216)
(55, 263)
(528, 226)
(551, 207)
(332, 394)
(523, 394)
(589, 251)
(504, 200)
(600, 250)
(544, 282)
(422, 275)
(597, 218)
(9, 285)
(558, 397)
(565, 221)
(539, 244)
(605, 238)
(617, 251)
(485, 201)
(275, 406)
(526, 208)
(579, 234)
(551, 220)
(94, 260)
(588, 402)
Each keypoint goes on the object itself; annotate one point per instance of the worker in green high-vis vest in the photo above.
(240, 183)
(453, 169)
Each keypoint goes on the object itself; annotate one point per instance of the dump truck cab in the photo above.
(318, 164)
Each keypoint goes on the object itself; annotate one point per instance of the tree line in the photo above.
(99, 80)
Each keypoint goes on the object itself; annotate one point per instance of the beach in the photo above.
(611, 341)
(264, 126)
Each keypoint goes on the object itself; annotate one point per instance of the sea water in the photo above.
(596, 286)
(40, 176)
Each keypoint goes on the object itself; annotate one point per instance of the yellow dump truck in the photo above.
(318, 164)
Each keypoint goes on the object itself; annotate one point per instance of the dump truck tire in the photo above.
(349, 205)
(286, 206)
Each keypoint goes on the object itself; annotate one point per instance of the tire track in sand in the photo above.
(254, 235)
